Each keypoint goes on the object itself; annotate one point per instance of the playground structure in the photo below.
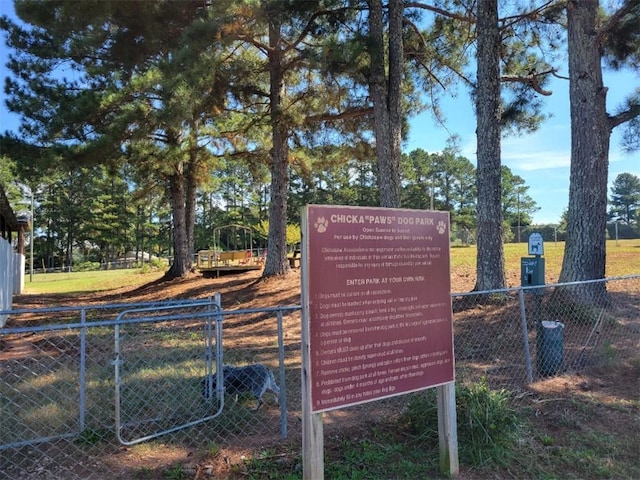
(216, 261)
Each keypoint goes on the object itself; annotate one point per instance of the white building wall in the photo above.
(7, 277)
(19, 262)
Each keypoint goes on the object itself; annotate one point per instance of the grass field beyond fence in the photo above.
(623, 258)
(86, 282)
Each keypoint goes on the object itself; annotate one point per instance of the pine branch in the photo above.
(310, 24)
(532, 15)
(614, 19)
(423, 42)
(440, 11)
(532, 80)
(632, 112)
(344, 115)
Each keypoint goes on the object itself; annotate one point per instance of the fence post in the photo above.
(219, 352)
(117, 361)
(282, 398)
(208, 353)
(525, 336)
(83, 369)
(447, 429)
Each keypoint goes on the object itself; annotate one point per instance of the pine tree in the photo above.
(589, 36)
(625, 199)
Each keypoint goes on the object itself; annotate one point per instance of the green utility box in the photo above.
(532, 271)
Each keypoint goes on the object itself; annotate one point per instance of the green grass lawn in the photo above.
(86, 282)
(623, 258)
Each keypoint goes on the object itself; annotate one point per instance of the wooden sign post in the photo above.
(376, 316)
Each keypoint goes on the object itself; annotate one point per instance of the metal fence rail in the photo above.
(102, 392)
(145, 407)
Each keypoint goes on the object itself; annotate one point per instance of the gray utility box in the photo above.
(550, 347)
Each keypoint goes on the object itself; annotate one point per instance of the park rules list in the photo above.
(376, 290)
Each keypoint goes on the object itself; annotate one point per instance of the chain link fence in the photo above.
(104, 392)
(117, 391)
(462, 235)
(517, 336)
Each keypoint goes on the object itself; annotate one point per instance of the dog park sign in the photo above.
(377, 322)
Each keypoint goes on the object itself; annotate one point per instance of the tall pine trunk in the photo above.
(276, 263)
(181, 256)
(584, 255)
(386, 94)
(191, 191)
(490, 256)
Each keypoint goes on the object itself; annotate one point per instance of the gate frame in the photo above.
(209, 357)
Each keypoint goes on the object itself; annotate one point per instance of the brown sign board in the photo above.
(378, 303)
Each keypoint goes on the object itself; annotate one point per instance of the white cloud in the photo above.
(550, 147)
(539, 160)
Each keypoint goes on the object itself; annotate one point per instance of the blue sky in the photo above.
(541, 159)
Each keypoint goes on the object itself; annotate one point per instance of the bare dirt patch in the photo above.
(602, 401)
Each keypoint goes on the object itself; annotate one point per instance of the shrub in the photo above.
(86, 266)
(154, 265)
(488, 424)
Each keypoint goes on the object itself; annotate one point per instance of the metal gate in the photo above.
(159, 369)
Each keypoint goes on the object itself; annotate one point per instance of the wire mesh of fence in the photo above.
(110, 392)
(95, 390)
(514, 337)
